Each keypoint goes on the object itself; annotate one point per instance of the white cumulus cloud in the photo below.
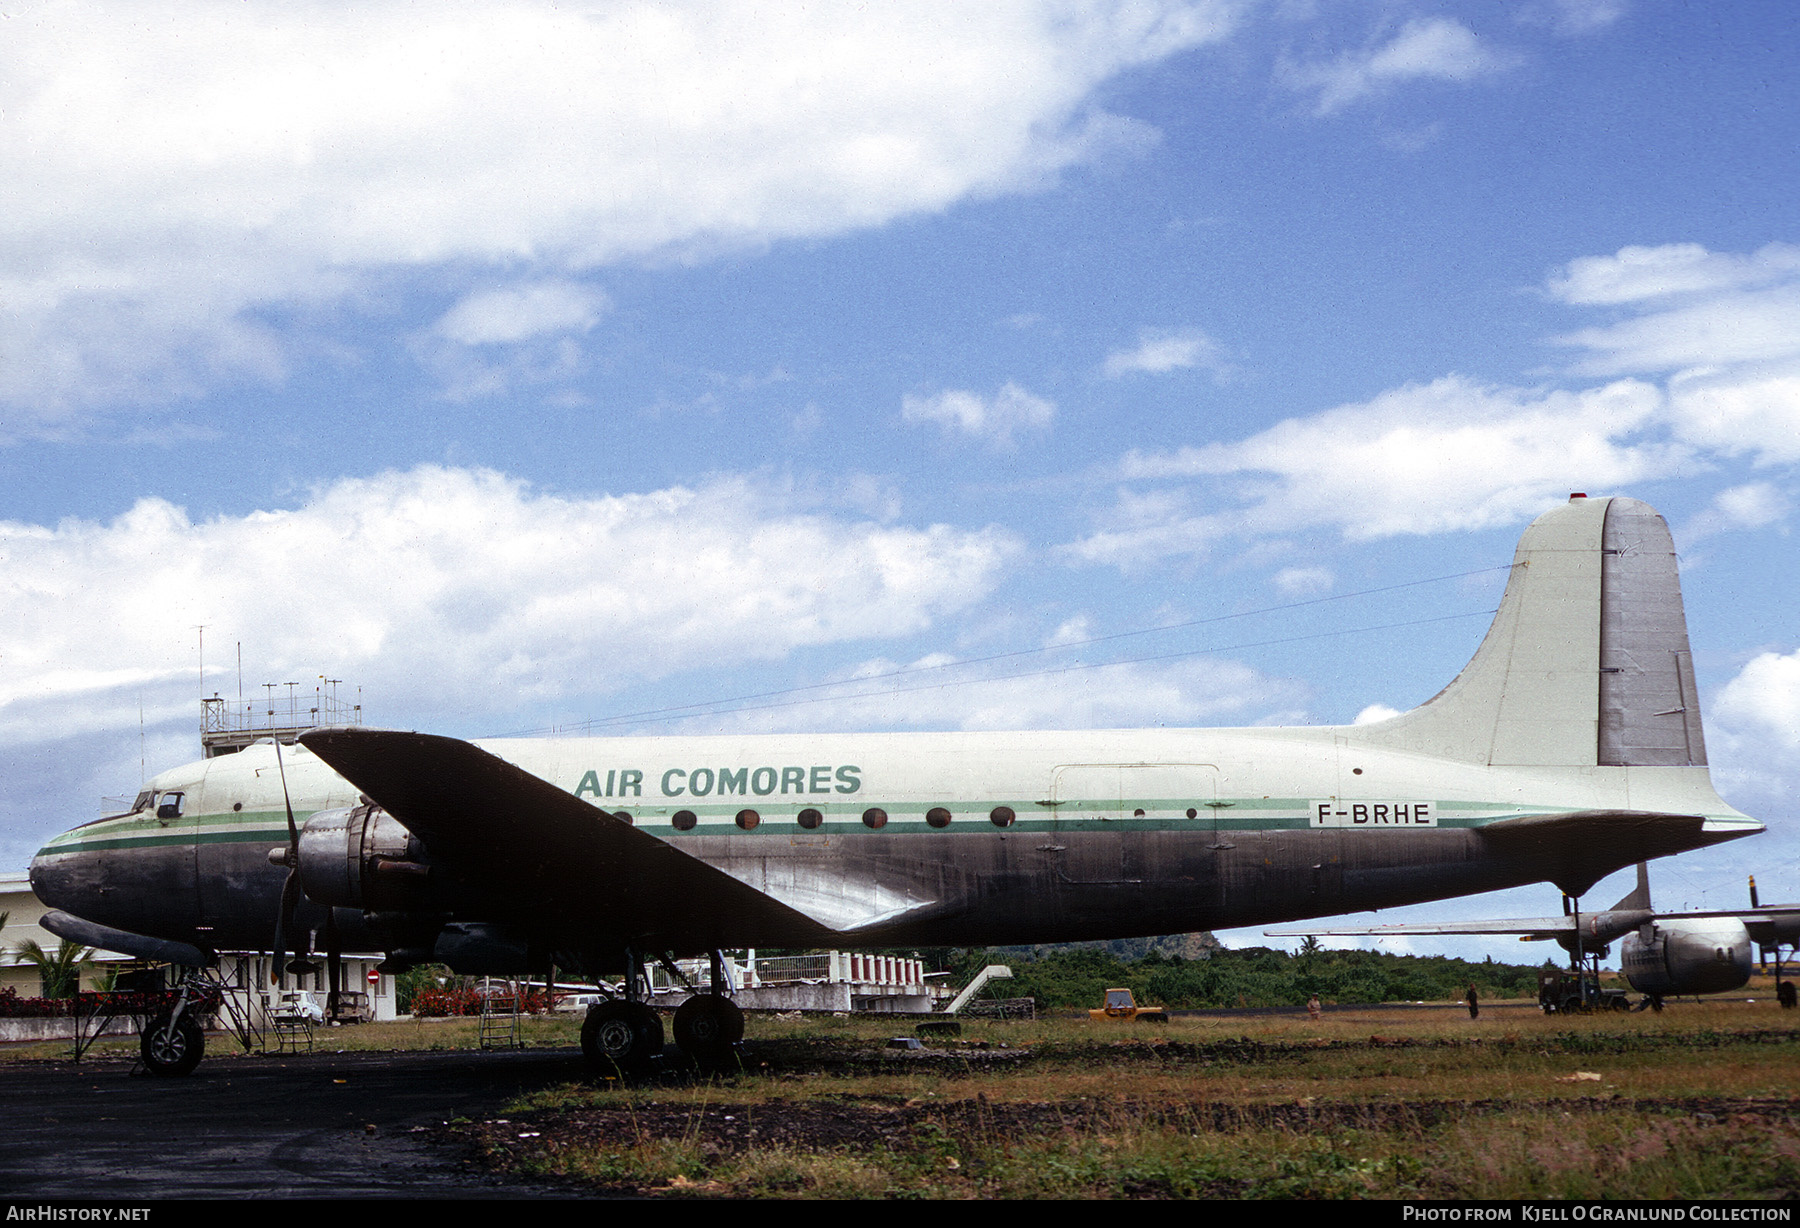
(516, 313)
(1753, 728)
(1424, 49)
(1754, 505)
(444, 589)
(1765, 697)
(1304, 581)
(1634, 274)
(1160, 350)
(1427, 458)
(170, 170)
(1709, 343)
(997, 418)
(1724, 329)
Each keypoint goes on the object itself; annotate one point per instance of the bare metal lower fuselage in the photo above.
(984, 888)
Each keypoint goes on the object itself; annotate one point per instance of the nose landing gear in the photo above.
(172, 1044)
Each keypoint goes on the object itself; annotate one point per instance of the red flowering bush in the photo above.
(446, 1000)
(441, 1000)
(12, 1006)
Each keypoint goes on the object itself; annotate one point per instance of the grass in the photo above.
(1698, 1102)
(1527, 1153)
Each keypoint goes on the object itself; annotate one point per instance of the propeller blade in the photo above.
(290, 887)
(334, 964)
(284, 921)
(293, 830)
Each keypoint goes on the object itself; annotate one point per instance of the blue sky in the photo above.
(530, 364)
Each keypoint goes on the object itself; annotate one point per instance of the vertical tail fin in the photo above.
(1638, 898)
(1587, 661)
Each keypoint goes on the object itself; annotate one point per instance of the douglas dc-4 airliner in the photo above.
(1568, 748)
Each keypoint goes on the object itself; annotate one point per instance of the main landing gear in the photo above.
(708, 1027)
(624, 1036)
(620, 1037)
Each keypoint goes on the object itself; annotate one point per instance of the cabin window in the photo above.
(875, 816)
(937, 816)
(810, 818)
(1002, 816)
(682, 820)
(748, 819)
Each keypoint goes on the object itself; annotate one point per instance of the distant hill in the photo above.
(1187, 946)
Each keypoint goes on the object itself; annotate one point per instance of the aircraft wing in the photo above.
(1768, 925)
(541, 853)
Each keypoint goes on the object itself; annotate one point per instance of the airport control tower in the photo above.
(229, 725)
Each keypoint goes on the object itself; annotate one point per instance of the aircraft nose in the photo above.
(81, 872)
(57, 880)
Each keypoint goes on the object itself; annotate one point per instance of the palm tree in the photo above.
(60, 973)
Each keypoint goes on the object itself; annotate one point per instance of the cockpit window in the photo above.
(170, 807)
(143, 801)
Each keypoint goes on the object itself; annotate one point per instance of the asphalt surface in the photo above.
(340, 1125)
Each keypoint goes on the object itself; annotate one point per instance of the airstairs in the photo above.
(498, 1027)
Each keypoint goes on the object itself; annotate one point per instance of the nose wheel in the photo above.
(172, 1045)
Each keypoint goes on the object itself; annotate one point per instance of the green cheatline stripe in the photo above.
(717, 820)
(168, 838)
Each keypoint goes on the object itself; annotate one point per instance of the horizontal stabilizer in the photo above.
(539, 851)
(1576, 849)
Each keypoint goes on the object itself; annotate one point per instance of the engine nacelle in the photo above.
(362, 857)
(1687, 957)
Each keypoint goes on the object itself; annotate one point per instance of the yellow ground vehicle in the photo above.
(1121, 1005)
